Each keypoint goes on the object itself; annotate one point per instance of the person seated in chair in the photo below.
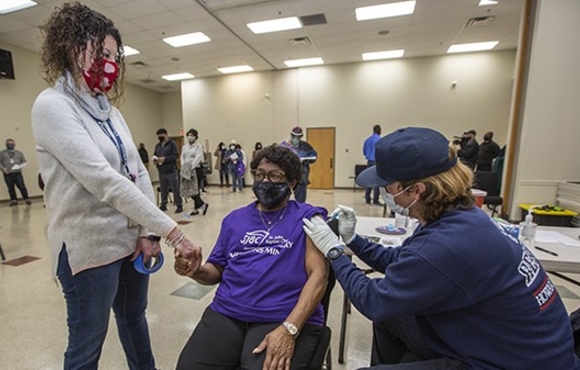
(266, 313)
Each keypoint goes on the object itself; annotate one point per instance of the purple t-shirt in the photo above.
(264, 272)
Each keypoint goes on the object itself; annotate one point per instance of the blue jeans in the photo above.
(89, 296)
(236, 180)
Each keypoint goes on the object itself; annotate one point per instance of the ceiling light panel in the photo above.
(303, 62)
(178, 76)
(476, 46)
(187, 39)
(487, 2)
(127, 51)
(9, 6)
(389, 54)
(235, 69)
(385, 10)
(275, 25)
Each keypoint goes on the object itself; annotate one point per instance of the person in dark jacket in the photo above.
(459, 293)
(488, 151)
(165, 158)
(144, 155)
(469, 149)
(307, 155)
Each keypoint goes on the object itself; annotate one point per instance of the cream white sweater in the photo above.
(88, 195)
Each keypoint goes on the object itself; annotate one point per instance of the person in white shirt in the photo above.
(192, 171)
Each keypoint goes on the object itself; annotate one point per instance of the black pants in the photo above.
(399, 344)
(15, 179)
(484, 167)
(167, 181)
(224, 176)
(222, 343)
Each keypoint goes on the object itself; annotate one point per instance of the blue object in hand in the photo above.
(139, 264)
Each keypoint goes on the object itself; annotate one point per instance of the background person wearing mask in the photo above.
(469, 149)
(98, 194)
(369, 153)
(11, 163)
(235, 166)
(460, 293)
(488, 151)
(221, 164)
(192, 171)
(144, 155)
(257, 147)
(307, 155)
(165, 159)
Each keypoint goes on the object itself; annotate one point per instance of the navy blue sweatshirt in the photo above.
(478, 294)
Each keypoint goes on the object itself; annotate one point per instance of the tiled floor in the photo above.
(32, 314)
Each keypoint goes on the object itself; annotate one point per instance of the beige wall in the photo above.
(143, 109)
(549, 143)
(264, 106)
(173, 113)
(16, 98)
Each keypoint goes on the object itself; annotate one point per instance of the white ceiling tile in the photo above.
(138, 8)
(9, 24)
(143, 23)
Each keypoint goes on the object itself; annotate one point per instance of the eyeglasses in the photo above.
(273, 175)
(107, 55)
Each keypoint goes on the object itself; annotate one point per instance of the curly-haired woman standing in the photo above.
(98, 193)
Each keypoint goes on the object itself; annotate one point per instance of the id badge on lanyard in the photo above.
(116, 139)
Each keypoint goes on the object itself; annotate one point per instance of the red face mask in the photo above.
(110, 73)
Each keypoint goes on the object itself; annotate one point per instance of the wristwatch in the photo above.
(292, 329)
(334, 252)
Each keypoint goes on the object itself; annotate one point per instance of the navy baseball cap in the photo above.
(411, 153)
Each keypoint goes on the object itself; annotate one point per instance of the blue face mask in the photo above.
(10, 146)
(389, 200)
(295, 141)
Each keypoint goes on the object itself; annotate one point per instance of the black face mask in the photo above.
(160, 138)
(270, 194)
(486, 138)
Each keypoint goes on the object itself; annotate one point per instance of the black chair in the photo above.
(169, 197)
(321, 359)
(488, 182)
(358, 168)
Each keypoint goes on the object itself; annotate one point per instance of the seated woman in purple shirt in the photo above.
(266, 313)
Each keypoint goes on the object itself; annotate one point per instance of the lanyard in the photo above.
(116, 140)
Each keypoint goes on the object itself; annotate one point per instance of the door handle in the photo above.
(331, 163)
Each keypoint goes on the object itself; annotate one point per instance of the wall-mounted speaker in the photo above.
(6, 67)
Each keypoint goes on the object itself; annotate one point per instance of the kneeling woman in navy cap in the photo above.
(459, 293)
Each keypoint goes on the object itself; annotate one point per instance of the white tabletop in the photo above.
(567, 259)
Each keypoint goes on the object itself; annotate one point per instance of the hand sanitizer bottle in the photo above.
(528, 229)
